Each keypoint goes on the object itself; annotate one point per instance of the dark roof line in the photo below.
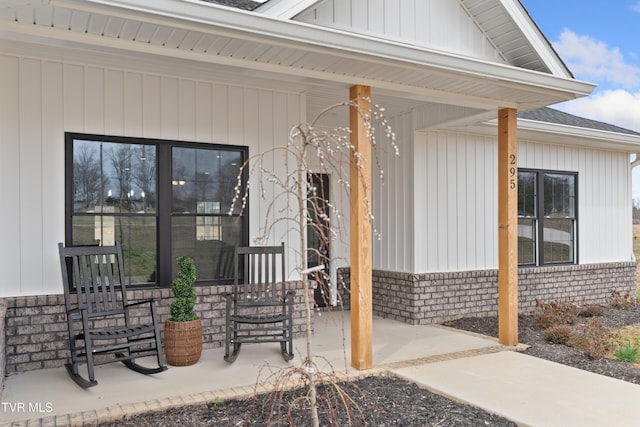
(551, 115)
(238, 4)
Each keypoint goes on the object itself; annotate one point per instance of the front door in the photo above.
(318, 236)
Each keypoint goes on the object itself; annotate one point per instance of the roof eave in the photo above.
(250, 25)
(285, 9)
(536, 37)
(559, 134)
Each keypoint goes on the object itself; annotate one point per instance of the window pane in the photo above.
(113, 177)
(558, 240)
(113, 196)
(136, 234)
(527, 194)
(526, 241)
(203, 186)
(212, 256)
(559, 195)
(204, 179)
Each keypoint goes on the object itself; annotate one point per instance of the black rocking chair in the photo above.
(260, 308)
(98, 318)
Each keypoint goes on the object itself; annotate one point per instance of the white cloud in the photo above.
(617, 99)
(617, 107)
(592, 60)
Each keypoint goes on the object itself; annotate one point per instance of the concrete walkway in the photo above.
(466, 367)
(532, 391)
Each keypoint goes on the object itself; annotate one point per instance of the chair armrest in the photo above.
(289, 295)
(144, 301)
(76, 313)
(75, 310)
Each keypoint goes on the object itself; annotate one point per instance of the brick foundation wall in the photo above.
(36, 329)
(420, 299)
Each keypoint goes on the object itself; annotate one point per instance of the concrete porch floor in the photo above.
(51, 393)
(466, 367)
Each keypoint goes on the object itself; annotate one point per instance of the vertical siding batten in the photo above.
(10, 172)
(409, 222)
(52, 168)
(468, 203)
(151, 106)
(95, 94)
(203, 112)
(430, 210)
(114, 102)
(187, 110)
(133, 102)
(419, 175)
(30, 177)
(169, 124)
(451, 209)
(262, 130)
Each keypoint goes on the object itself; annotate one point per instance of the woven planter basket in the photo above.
(182, 342)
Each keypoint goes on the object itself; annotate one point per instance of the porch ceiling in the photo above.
(217, 40)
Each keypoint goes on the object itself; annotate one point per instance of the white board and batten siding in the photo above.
(604, 196)
(437, 24)
(40, 99)
(456, 200)
(393, 198)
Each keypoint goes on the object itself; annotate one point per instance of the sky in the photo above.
(599, 41)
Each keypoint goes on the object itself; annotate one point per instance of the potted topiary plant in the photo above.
(183, 329)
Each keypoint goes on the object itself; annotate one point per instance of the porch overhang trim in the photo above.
(197, 15)
(621, 140)
(556, 133)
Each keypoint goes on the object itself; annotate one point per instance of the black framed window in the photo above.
(160, 199)
(547, 217)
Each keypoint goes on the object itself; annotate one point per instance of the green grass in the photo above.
(628, 353)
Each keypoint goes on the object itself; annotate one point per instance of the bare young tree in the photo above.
(86, 175)
(292, 203)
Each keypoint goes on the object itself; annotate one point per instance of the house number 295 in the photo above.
(513, 183)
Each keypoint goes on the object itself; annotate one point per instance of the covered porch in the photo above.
(200, 73)
(50, 395)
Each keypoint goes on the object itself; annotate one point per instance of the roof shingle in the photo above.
(551, 115)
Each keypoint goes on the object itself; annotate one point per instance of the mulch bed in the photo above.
(381, 401)
(389, 401)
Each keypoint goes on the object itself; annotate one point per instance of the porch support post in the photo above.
(508, 227)
(360, 228)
